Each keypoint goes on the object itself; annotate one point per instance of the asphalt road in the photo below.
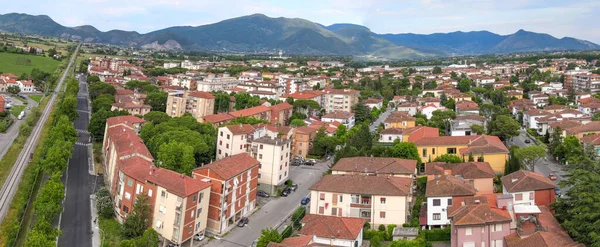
(6, 139)
(379, 120)
(76, 217)
(9, 187)
(276, 210)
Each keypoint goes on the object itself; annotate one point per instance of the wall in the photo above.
(479, 234)
(275, 164)
(390, 138)
(545, 197)
(441, 209)
(484, 186)
(168, 216)
(301, 145)
(232, 146)
(395, 209)
(400, 124)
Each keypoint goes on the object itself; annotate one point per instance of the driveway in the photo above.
(276, 210)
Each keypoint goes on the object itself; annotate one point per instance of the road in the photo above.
(544, 166)
(10, 186)
(76, 217)
(276, 210)
(6, 139)
(373, 126)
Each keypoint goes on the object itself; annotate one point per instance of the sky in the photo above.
(558, 18)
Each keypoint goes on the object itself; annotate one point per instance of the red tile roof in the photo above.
(250, 111)
(128, 120)
(338, 115)
(448, 186)
(136, 167)
(332, 227)
(282, 106)
(124, 92)
(378, 165)
(467, 106)
(178, 184)
(240, 129)
(468, 170)
(526, 181)
(231, 166)
(305, 130)
(591, 139)
(477, 214)
(485, 144)
(593, 126)
(203, 95)
(218, 118)
(368, 185)
(127, 142)
(540, 239)
(300, 241)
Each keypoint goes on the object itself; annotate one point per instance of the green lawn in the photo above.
(36, 98)
(112, 229)
(20, 63)
(17, 109)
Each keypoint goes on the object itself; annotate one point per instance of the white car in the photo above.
(199, 236)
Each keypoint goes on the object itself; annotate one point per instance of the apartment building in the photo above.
(234, 182)
(274, 155)
(582, 80)
(377, 199)
(529, 188)
(303, 140)
(379, 166)
(441, 193)
(345, 118)
(340, 99)
(281, 113)
(260, 112)
(390, 135)
(199, 104)
(211, 84)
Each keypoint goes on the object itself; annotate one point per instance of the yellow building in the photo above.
(482, 147)
(399, 120)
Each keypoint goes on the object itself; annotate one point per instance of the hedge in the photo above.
(287, 232)
(438, 234)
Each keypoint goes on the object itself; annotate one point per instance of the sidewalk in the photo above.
(94, 222)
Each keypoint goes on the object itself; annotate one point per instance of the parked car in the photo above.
(294, 187)
(305, 201)
(243, 222)
(527, 141)
(552, 176)
(310, 162)
(298, 161)
(199, 236)
(262, 194)
(286, 192)
(557, 191)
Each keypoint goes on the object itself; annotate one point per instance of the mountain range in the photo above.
(262, 34)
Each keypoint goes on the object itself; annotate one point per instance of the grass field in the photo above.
(9, 63)
(17, 109)
(36, 98)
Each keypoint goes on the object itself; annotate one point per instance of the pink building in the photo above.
(478, 222)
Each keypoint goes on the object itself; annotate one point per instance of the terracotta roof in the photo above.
(477, 214)
(301, 95)
(398, 116)
(341, 91)
(565, 124)
(305, 130)
(448, 186)
(377, 165)
(338, 115)
(593, 126)
(485, 144)
(372, 101)
(471, 117)
(468, 170)
(444, 140)
(130, 105)
(250, 111)
(2, 99)
(240, 129)
(176, 183)
(368, 185)
(124, 92)
(540, 239)
(282, 106)
(555, 107)
(467, 106)
(392, 131)
(332, 227)
(128, 120)
(591, 139)
(136, 167)
(203, 95)
(430, 99)
(300, 241)
(231, 166)
(218, 118)
(127, 142)
(526, 181)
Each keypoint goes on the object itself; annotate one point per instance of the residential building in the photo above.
(2, 103)
(579, 81)
(539, 229)
(281, 113)
(332, 230)
(218, 119)
(464, 108)
(340, 99)
(478, 174)
(411, 108)
(134, 107)
(378, 166)
(372, 102)
(198, 104)
(398, 119)
(378, 199)
(407, 135)
(590, 142)
(211, 84)
(481, 147)
(26, 86)
(479, 222)
(303, 141)
(441, 193)
(461, 125)
(345, 118)
(428, 110)
(529, 188)
(234, 182)
(274, 155)
(260, 112)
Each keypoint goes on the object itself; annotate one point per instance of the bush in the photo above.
(24, 130)
(376, 241)
(287, 232)
(367, 225)
(381, 228)
(438, 234)
(104, 204)
(390, 232)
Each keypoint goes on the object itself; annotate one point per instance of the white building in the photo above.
(440, 193)
(346, 118)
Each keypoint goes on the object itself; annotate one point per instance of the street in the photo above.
(6, 139)
(544, 166)
(76, 217)
(373, 126)
(276, 210)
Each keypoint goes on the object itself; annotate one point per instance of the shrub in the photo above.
(104, 204)
(367, 225)
(381, 228)
(390, 232)
(376, 241)
(287, 232)
(438, 234)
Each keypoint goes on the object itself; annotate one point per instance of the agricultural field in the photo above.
(22, 63)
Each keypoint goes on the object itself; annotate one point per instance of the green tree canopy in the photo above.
(139, 219)
(406, 150)
(464, 85)
(103, 101)
(362, 113)
(156, 117)
(297, 122)
(99, 88)
(98, 121)
(157, 100)
(448, 158)
(177, 156)
(504, 127)
(267, 236)
(530, 155)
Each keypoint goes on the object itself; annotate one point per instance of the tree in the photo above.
(513, 163)
(437, 70)
(68, 107)
(222, 101)
(341, 131)
(104, 204)
(14, 90)
(570, 148)
(448, 158)
(406, 150)
(177, 156)
(103, 101)
(596, 116)
(297, 122)
(361, 138)
(530, 155)
(267, 236)
(555, 140)
(98, 121)
(137, 222)
(504, 127)
(290, 100)
(571, 66)
(479, 129)
(92, 79)
(244, 100)
(498, 97)
(156, 117)
(441, 119)
(157, 100)
(362, 113)
(464, 85)
(99, 88)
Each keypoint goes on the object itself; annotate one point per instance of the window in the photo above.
(403, 123)
(382, 200)
(221, 133)
(322, 196)
(260, 156)
(227, 145)
(227, 136)
(198, 226)
(261, 146)
(127, 196)
(480, 159)
(125, 209)
(382, 214)
(449, 201)
(191, 229)
(149, 193)
(519, 197)
(497, 228)
(281, 157)
(531, 195)
(333, 211)
(496, 243)
(280, 167)
(162, 209)
(469, 231)
(437, 216)
(355, 199)
(389, 138)
(199, 211)
(200, 196)
(194, 198)
(451, 151)
(258, 175)
(129, 182)
(300, 144)
(436, 202)
(219, 151)
(279, 176)
(321, 210)
(163, 194)
(192, 213)
(341, 199)
(471, 182)
(433, 151)
(424, 152)
(241, 146)
(220, 143)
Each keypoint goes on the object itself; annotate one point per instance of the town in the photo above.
(118, 146)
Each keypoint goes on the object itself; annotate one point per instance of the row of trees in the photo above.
(57, 149)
